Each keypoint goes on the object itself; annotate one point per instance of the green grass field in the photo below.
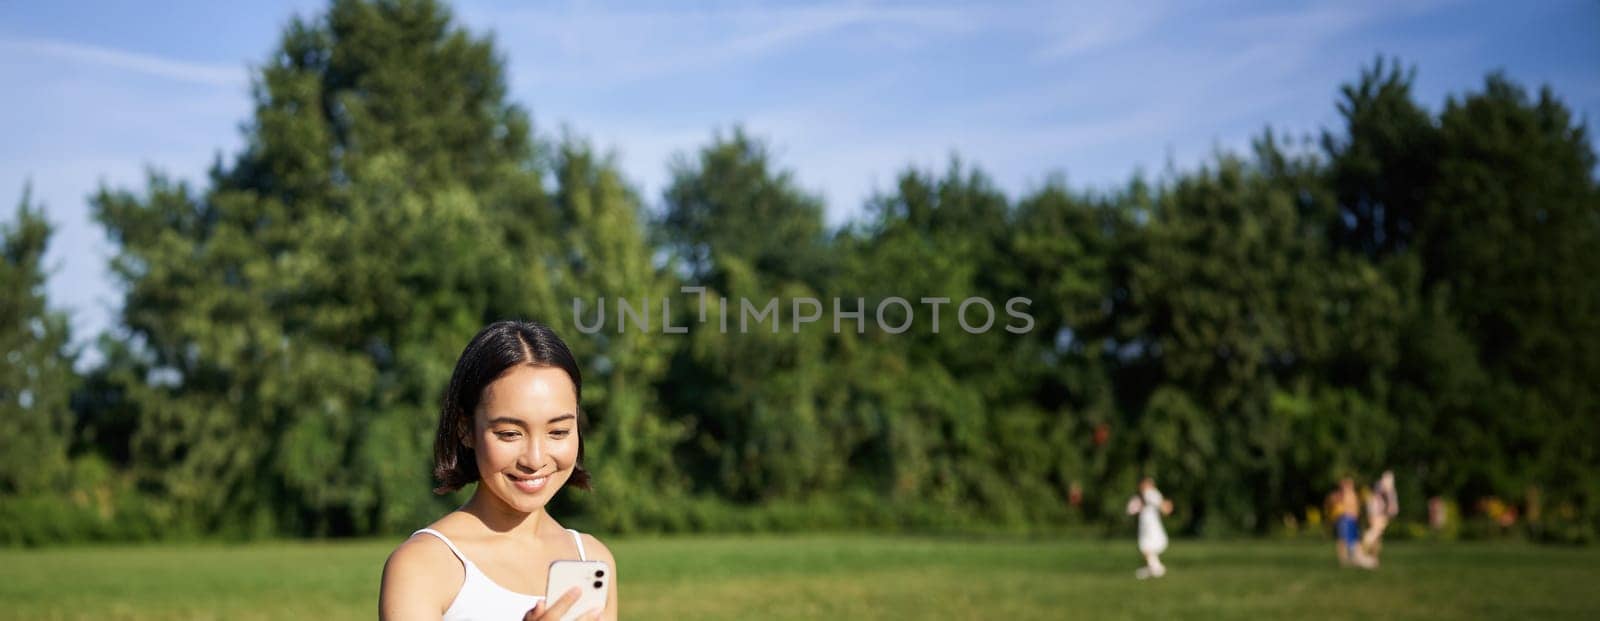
(825, 577)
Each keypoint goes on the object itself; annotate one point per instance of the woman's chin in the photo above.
(524, 503)
(521, 501)
(528, 506)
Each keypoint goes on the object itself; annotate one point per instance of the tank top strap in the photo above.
(578, 539)
(453, 549)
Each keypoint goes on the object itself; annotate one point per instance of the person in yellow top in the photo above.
(1345, 507)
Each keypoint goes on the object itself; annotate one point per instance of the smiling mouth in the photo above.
(528, 484)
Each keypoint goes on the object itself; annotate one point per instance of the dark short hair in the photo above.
(496, 348)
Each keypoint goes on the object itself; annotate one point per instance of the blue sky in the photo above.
(849, 93)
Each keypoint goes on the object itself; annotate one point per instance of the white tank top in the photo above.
(482, 599)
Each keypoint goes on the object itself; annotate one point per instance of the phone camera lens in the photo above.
(599, 573)
(597, 584)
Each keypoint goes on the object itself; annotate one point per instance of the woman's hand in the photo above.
(558, 609)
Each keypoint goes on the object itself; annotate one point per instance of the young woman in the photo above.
(1149, 505)
(510, 426)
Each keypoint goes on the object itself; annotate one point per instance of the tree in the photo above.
(1382, 166)
(954, 413)
(602, 257)
(729, 203)
(1509, 241)
(1065, 252)
(37, 379)
(753, 396)
(1480, 220)
(300, 315)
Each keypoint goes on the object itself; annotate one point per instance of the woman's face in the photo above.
(525, 435)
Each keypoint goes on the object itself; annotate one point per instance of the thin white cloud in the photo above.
(618, 47)
(156, 66)
(1329, 18)
(1077, 30)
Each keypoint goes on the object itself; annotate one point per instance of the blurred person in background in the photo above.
(1149, 505)
(1345, 507)
(1383, 504)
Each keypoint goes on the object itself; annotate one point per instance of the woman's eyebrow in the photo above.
(560, 418)
(508, 420)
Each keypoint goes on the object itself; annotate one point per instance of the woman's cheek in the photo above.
(496, 451)
(566, 452)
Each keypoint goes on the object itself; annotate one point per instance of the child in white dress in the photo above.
(1149, 505)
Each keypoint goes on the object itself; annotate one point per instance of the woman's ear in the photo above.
(464, 431)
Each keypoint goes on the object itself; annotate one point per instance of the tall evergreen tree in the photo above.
(743, 229)
(602, 258)
(301, 313)
(1510, 239)
(730, 201)
(36, 379)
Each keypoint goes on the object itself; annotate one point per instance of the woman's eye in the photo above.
(560, 433)
(508, 435)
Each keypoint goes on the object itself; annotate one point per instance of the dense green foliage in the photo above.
(36, 381)
(1418, 291)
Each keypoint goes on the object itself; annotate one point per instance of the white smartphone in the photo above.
(592, 579)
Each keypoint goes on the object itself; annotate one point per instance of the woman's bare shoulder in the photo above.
(601, 552)
(422, 555)
(424, 549)
(421, 574)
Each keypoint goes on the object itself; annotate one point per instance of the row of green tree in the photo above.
(1414, 290)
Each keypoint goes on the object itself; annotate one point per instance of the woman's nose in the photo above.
(534, 455)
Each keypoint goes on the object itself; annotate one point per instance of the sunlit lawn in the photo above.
(830, 577)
